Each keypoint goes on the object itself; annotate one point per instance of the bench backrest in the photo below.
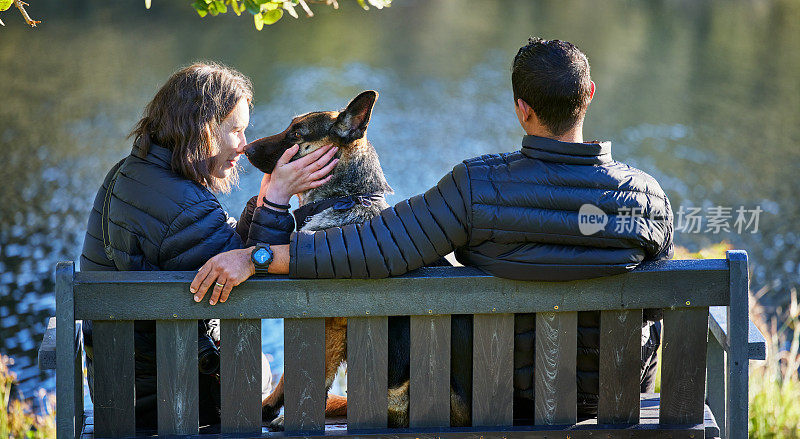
(114, 300)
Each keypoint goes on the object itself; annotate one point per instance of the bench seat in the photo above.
(649, 407)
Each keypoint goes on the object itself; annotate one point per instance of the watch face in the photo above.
(261, 255)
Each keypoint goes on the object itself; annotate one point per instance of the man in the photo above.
(514, 215)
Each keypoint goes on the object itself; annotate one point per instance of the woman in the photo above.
(156, 209)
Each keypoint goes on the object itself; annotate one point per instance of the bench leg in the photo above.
(715, 381)
(69, 419)
(738, 322)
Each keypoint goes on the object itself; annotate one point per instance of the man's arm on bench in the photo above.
(413, 233)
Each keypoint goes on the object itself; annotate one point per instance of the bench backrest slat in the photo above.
(304, 374)
(177, 385)
(443, 290)
(429, 386)
(684, 365)
(114, 378)
(555, 387)
(240, 375)
(620, 365)
(368, 372)
(492, 370)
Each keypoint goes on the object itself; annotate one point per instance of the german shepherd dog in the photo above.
(358, 177)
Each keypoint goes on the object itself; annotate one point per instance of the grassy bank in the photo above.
(18, 419)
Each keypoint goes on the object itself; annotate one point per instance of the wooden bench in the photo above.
(687, 290)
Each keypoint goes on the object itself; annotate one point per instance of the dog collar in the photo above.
(303, 214)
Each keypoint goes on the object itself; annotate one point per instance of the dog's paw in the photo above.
(269, 413)
(276, 424)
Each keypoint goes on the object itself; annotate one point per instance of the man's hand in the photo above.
(224, 271)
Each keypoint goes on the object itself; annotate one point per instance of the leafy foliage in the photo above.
(6, 5)
(18, 419)
(266, 12)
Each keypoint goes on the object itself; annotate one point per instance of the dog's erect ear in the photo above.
(353, 120)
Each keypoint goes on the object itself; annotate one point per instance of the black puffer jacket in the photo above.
(158, 220)
(514, 215)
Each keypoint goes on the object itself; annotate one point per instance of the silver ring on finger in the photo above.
(219, 284)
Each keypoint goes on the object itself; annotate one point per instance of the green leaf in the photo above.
(363, 4)
(5, 4)
(252, 7)
(220, 5)
(201, 8)
(273, 16)
(236, 8)
(259, 20)
(269, 6)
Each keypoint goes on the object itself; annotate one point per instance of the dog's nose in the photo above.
(248, 150)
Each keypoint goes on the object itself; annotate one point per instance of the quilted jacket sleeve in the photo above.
(243, 225)
(267, 225)
(203, 230)
(413, 233)
(200, 231)
(667, 249)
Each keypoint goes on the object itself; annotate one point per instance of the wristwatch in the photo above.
(261, 257)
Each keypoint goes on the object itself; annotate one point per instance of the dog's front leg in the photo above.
(272, 403)
(335, 406)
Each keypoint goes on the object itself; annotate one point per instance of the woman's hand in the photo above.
(227, 270)
(224, 271)
(293, 177)
(262, 191)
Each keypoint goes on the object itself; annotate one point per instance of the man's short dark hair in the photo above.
(552, 76)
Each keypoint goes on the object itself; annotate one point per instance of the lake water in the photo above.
(705, 96)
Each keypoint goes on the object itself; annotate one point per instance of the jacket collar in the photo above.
(551, 150)
(158, 155)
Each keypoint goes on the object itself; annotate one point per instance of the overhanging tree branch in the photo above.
(21, 6)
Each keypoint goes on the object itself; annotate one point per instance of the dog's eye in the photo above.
(295, 135)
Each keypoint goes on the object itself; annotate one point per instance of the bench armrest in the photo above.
(718, 324)
(47, 350)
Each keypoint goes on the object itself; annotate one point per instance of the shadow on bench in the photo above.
(704, 385)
